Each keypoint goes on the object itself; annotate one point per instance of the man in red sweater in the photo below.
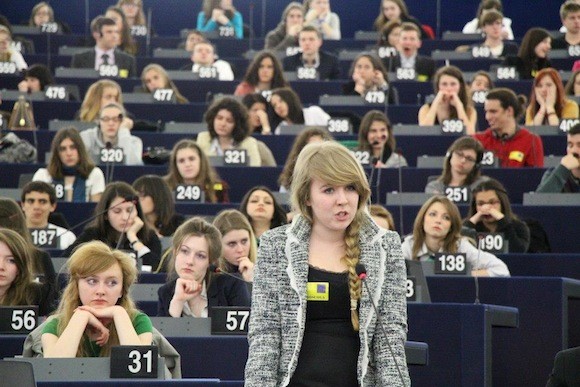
(513, 145)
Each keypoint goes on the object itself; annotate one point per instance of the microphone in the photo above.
(130, 198)
(216, 270)
(361, 272)
(374, 161)
(399, 152)
(251, 33)
(108, 174)
(475, 278)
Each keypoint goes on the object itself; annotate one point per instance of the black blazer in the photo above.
(524, 70)
(509, 49)
(86, 60)
(223, 291)
(566, 372)
(327, 69)
(424, 65)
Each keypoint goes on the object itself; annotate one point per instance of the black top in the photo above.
(327, 69)
(174, 222)
(515, 232)
(223, 290)
(560, 43)
(527, 70)
(47, 292)
(152, 242)
(391, 92)
(330, 346)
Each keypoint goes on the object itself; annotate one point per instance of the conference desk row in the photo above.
(509, 339)
(309, 91)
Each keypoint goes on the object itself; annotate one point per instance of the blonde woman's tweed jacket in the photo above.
(279, 306)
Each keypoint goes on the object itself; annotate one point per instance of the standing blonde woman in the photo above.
(308, 304)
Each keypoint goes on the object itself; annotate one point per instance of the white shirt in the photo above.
(478, 259)
(95, 183)
(17, 58)
(99, 57)
(223, 68)
(471, 27)
(313, 116)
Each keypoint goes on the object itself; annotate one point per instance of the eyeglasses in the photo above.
(462, 156)
(492, 202)
(116, 119)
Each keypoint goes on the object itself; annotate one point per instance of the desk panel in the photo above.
(549, 313)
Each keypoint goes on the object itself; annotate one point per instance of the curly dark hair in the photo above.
(278, 79)
(239, 112)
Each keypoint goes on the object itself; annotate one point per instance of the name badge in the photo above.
(516, 156)
(453, 127)
(56, 92)
(505, 73)
(387, 52)
(373, 97)
(49, 28)
(108, 71)
(208, 72)
(481, 52)
(164, 95)
(363, 157)
(293, 50)
(306, 73)
(479, 97)
(134, 362)
(491, 242)
(567, 123)
(226, 32)
(188, 193)
(574, 50)
(317, 291)
(113, 155)
(403, 74)
(339, 126)
(230, 320)
(44, 237)
(488, 159)
(7, 68)
(59, 190)
(18, 319)
(446, 263)
(236, 157)
(138, 30)
(411, 288)
(458, 195)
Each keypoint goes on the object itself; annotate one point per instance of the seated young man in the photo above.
(566, 176)
(38, 201)
(408, 54)
(312, 57)
(206, 64)
(570, 16)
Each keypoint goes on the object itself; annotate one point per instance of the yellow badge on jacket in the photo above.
(517, 156)
(317, 291)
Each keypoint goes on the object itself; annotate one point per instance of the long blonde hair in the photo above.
(91, 105)
(167, 82)
(334, 164)
(88, 259)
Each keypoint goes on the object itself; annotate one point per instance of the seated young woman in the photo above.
(17, 285)
(228, 128)
(239, 247)
(375, 135)
(262, 210)
(288, 110)
(154, 77)
(451, 101)
(264, 73)
(437, 229)
(39, 264)
(189, 165)
(460, 167)
(367, 74)
(193, 286)
(548, 102)
(96, 311)
(71, 167)
(119, 223)
(99, 94)
(490, 211)
(158, 205)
